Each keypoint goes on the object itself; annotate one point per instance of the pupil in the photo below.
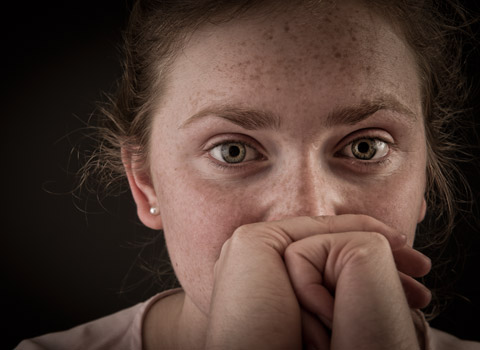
(363, 147)
(234, 151)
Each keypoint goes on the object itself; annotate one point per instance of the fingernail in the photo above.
(429, 295)
(428, 261)
(424, 257)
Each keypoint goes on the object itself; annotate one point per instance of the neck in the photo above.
(174, 322)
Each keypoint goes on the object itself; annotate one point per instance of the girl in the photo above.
(288, 150)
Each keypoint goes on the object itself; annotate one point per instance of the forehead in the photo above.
(302, 53)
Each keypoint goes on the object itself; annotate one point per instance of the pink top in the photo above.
(119, 331)
(123, 331)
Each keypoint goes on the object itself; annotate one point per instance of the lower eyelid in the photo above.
(370, 166)
(223, 166)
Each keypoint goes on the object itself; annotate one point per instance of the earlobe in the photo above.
(423, 211)
(143, 193)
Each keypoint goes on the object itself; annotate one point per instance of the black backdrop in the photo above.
(61, 266)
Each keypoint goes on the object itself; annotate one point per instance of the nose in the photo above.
(303, 190)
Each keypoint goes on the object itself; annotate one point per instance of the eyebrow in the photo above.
(357, 113)
(249, 119)
(254, 119)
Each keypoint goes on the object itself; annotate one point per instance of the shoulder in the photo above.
(443, 341)
(434, 339)
(121, 330)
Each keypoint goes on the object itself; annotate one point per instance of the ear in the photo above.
(423, 211)
(143, 192)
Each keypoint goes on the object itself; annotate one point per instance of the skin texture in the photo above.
(301, 67)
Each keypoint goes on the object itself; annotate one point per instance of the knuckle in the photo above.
(376, 239)
(326, 220)
(243, 234)
(291, 251)
(368, 247)
(376, 245)
(243, 230)
(267, 234)
(366, 221)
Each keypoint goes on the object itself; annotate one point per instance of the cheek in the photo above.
(396, 201)
(198, 218)
(204, 214)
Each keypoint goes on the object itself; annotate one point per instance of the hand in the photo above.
(253, 304)
(369, 309)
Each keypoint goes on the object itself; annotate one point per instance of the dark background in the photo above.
(62, 266)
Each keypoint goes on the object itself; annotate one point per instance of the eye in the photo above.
(366, 149)
(233, 152)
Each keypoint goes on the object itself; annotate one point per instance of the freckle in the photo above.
(278, 89)
(368, 69)
(268, 35)
(286, 28)
(338, 55)
(316, 56)
(354, 38)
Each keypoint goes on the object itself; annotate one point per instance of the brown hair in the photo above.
(157, 30)
(436, 33)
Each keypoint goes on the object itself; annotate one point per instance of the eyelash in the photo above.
(228, 166)
(365, 164)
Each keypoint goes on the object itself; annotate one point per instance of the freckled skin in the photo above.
(301, 67)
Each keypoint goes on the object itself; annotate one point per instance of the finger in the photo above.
(314, 333)
(298, 228)
(412, 262)
(369, 298)
(307, 278)
(418, 296)
(356, 223)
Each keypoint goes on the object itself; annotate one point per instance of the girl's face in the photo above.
(301, 113)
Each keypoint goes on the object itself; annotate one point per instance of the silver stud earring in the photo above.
(154, 211)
